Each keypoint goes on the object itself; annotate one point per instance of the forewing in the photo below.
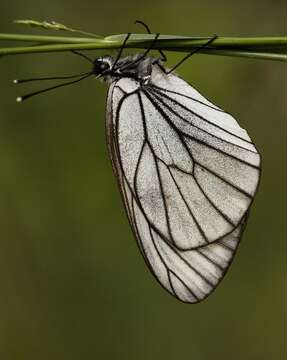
(194, 187)
(226, 164)
(173, 218)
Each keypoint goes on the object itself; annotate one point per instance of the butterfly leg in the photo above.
(163, 57)
(121, 51)
(143, 56)
(191, 53)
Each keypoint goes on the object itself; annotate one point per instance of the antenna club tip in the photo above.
(19, 99)
(15, 81)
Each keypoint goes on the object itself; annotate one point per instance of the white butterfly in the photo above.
(187, 171)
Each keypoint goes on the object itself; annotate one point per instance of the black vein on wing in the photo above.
(150, 88)
(167, 148)
(183, 283)
(121, 89)
(165, 105)
(186, 204)
(134, 224)
(136, 194)
(171, 285)
(199, 251)
(162, 113)
(221, 151)
(225, 217)
(225, 245)
(161, 258)
(137, 168)
(140, 242)
(162, 90)
(125, 196)
(163, 198)
(224, 180)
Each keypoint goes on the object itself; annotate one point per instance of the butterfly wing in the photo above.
(186, 193)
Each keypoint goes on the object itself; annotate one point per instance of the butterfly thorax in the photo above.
(134, 66)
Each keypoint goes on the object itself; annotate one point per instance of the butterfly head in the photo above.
(103, 65)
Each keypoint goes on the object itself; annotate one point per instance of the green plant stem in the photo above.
(45, 39)
(168, 40)
(271, 48)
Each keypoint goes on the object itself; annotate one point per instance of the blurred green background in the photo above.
(73, 284)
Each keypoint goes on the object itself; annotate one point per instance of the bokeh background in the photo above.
(73, 284)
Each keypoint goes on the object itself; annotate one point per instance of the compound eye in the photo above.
(101, 66)
(105, 65)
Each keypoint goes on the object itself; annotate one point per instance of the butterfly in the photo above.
(186, 170)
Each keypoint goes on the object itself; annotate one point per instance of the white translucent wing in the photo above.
(189, 275)
(187, 182)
